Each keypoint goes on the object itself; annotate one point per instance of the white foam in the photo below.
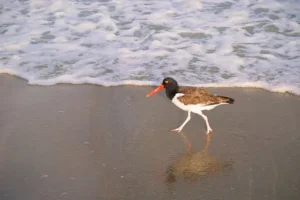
(85, 26)
(206, 43)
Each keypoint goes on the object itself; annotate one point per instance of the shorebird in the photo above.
(191, 99)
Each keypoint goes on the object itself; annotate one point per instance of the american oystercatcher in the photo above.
(191, 99)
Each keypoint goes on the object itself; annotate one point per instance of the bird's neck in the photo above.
(171, 92)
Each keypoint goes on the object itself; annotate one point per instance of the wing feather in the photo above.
(193, 95)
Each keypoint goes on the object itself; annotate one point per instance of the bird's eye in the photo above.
(166, 82)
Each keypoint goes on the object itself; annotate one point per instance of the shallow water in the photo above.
(113, 42)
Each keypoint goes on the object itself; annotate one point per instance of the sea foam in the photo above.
(201, 43)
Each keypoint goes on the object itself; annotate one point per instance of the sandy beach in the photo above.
(91, 142)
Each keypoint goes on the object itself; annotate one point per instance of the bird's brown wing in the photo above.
(193, 95)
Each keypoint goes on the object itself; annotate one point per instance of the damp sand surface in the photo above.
(91, 142)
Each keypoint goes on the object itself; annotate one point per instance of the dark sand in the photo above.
(89, 142)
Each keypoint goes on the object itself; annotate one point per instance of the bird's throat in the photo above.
(171, 93)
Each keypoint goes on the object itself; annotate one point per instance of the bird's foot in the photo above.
(178, 130)
(209, 131)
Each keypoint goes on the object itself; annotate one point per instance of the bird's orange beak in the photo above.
(156, 90)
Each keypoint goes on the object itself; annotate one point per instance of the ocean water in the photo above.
(232, 43)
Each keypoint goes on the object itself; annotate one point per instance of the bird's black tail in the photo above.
(227, 99)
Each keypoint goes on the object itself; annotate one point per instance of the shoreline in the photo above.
(151, 84)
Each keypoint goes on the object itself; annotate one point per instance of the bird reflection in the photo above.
(195, 165)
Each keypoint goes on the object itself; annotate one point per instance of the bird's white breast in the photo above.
(178, 103)
(192, 107)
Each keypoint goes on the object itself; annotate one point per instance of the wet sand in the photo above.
(91, 142)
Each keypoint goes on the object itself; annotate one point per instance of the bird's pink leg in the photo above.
(208, 129)
(184, 123)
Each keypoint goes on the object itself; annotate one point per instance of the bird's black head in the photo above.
(171, 86)
(169, 82)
